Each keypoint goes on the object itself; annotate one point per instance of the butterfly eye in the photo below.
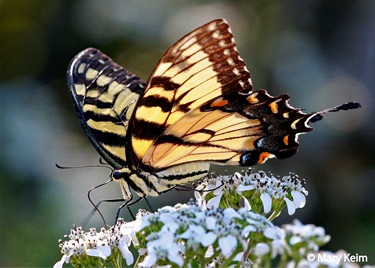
(117, 175)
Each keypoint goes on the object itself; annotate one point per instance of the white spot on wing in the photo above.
(216, 34)
(222, 43)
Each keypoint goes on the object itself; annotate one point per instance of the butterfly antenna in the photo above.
(102, 164)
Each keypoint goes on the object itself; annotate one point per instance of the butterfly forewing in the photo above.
(104, 96)
(199, 68)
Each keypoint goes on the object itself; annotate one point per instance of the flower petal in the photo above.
(231, 213)
(242, 188)
(299, 199)
(208, 239)
(290, 206)
(274, 233)
(227, 245)
(59, 264)
(294, 240)
(149, 261)
(261, 249)
(214, 202)
(96, 253)
(246, 203)
(267, 202)
(126, 254)
(211, 222)
(247, 230)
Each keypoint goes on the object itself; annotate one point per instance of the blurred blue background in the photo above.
(319, 52)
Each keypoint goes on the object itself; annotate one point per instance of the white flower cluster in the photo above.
(226, 227)
(180, 235)
(274, 193)
(294, 239)
(80, 245)
(188, 233)
(310, 236)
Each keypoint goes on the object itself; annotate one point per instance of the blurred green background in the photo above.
(320, 52)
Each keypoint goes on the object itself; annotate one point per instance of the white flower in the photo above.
(96, 244)
(128, 232)
(102, 252)
(227, 245)
(310, 236)
(163, 246)
(243, 188)
(261, 249)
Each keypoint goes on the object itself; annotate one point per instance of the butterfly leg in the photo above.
(127, 204)
(96, 209)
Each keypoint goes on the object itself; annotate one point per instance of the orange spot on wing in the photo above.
(218, 103)
(253, 98)
(274, 106)
(263, 157)
(286, 139)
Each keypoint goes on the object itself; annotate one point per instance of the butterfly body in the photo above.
(198, 107)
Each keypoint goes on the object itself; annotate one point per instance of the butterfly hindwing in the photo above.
(104, 96)
(243, 131)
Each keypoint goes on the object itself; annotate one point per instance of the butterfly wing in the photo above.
(104, 96)
(199, 106)
(202, 66)
(237, 130)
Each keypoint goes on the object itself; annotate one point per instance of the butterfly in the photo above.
(197, 108)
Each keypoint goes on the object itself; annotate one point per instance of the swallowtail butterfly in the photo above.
(198, 107)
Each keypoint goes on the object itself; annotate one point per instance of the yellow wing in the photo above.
(236, 130)
(199, 106)
(201, 67)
